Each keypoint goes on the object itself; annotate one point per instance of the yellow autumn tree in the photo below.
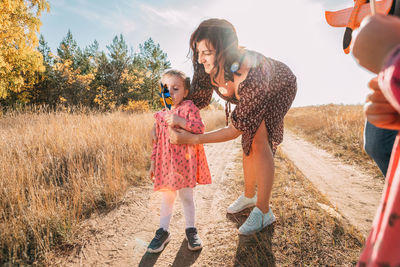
(19, 59)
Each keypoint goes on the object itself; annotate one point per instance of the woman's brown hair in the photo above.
(221, 34)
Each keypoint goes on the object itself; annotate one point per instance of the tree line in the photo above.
(94, 78)
(31, 74)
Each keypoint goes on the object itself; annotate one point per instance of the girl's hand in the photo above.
(174, 120)
(373, 41)
(180, 136)
(378, 110)
(151, 171)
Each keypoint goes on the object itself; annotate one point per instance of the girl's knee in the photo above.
(169, 196)
(186, 195)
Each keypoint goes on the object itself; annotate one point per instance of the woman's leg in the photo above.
(261, 161)
(249, 177)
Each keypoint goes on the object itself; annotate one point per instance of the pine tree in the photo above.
(68, 49)
(153, 62)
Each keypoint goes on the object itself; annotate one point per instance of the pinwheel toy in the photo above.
(351, 17)
(165, 97)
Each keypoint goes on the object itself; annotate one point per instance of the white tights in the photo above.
(167, 203)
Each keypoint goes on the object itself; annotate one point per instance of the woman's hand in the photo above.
(378, 110)
(180, 136)
(174, 120)
(151, 171)
(373, 41)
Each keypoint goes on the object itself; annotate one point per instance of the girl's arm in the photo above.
(192, 121)
(154, 132)
(193, 124)
(178, 136)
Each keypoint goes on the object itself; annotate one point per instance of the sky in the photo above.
(294, 32)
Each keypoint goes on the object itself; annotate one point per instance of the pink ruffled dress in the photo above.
(179, 166)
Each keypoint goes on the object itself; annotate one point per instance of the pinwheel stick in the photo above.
(165, 102)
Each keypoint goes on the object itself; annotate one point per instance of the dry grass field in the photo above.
(335, 128)
(57, 168)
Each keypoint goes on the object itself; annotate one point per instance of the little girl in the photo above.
(177, 168)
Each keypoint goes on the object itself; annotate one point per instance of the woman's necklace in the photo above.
(223, 90)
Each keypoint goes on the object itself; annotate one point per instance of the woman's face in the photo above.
(206, 55)
(176, 87)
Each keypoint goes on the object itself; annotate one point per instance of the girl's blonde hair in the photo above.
(179, 74)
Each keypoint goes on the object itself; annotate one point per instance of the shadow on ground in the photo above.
(253, 250)
(183, 258)
(149, 259)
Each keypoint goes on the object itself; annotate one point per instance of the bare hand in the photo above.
(378, 110)
(174, 120)
(373, 41)
(180, 136)
(151, 171)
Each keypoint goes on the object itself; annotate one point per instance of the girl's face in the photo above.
(206, 55)
(176, 87)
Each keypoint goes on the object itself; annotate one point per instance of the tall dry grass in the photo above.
(335, 128)
(57, 168)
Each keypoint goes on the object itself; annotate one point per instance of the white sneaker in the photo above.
(256, 221)
(242, 203)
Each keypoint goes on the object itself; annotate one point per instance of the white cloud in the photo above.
(169, 16)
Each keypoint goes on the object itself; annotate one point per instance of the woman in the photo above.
(262, 89)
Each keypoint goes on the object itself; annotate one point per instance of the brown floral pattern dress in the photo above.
(266, 94)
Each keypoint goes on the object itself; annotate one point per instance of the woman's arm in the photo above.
(178, 136)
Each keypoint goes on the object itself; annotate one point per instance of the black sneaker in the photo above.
(159, 241)
(194, 241)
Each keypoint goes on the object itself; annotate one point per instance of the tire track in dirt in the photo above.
(355, 194)
(120, 238)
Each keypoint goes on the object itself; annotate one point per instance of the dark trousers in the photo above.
(378, 143)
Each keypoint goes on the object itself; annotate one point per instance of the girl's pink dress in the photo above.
(179, 166)
(382, 247)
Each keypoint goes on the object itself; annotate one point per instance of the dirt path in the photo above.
(120, 237)
(355, 194)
